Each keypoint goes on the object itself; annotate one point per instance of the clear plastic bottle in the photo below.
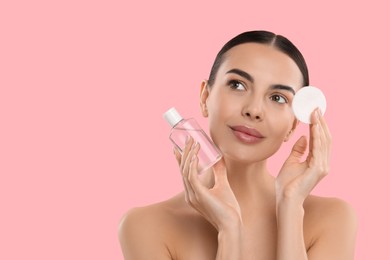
(208, 154)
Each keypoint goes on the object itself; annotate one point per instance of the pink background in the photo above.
(84, 85)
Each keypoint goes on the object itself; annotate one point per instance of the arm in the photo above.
(291, 244)
(293, 184)
(217, 205)
(336, 239)
(229, 243)
(140, 238)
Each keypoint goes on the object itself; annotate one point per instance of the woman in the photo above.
(237, 209)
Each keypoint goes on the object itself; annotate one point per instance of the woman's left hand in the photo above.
(297, 179)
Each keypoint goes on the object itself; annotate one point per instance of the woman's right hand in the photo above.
(218, 204)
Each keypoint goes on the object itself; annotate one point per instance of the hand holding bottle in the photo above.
(218, 205)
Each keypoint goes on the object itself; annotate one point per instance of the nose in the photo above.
(254, 110)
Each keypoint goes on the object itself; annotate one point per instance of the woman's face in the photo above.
(253, 89)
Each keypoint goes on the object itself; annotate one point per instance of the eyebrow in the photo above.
(242, 74)
(283, 87)
(250, 79)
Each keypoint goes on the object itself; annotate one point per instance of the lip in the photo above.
(247, 134)
(247, 130)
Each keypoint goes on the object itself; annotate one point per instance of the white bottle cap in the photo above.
(172, 116)
(306, 100)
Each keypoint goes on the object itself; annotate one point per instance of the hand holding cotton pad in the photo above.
(305, 101)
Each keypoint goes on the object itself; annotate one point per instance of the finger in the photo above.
(323, 130)
(188, 158)
(185, 181)
(197, 192)
(327, 138)
(177, 155)
(186, 170)
(189, 193)
(187, 149)
(194, 185)
(298, 150)
(183, 170)
(316, 151)
(324, 125)
(325, 145)
(313, 120)
(320, 122)
(186, 195)
(318, 163)
(314, 144)
(193, 178)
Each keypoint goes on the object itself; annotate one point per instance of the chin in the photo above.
(246, 156)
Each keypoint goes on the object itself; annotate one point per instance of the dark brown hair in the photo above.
(264, 37)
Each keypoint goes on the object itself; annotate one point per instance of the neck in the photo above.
(250, 182)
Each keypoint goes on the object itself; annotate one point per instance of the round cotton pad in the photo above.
(306, 100)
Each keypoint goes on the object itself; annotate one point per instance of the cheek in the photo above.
(220, 106)
(281, 124)
(220, 112)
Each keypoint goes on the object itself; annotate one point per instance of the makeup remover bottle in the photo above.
(208, 154)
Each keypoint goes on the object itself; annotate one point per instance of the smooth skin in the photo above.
(237, 209)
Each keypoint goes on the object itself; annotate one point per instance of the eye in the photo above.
(235, 84)
(279, 98)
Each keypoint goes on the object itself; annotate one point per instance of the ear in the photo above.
(294, 126)
(204, 94)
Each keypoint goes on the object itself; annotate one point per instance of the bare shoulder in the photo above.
(327, 210)
(332, 225)
(152, 214)
(144, 231)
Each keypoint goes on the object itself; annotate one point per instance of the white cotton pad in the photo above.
(306, 100)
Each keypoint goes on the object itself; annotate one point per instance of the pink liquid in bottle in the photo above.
(208, 154)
